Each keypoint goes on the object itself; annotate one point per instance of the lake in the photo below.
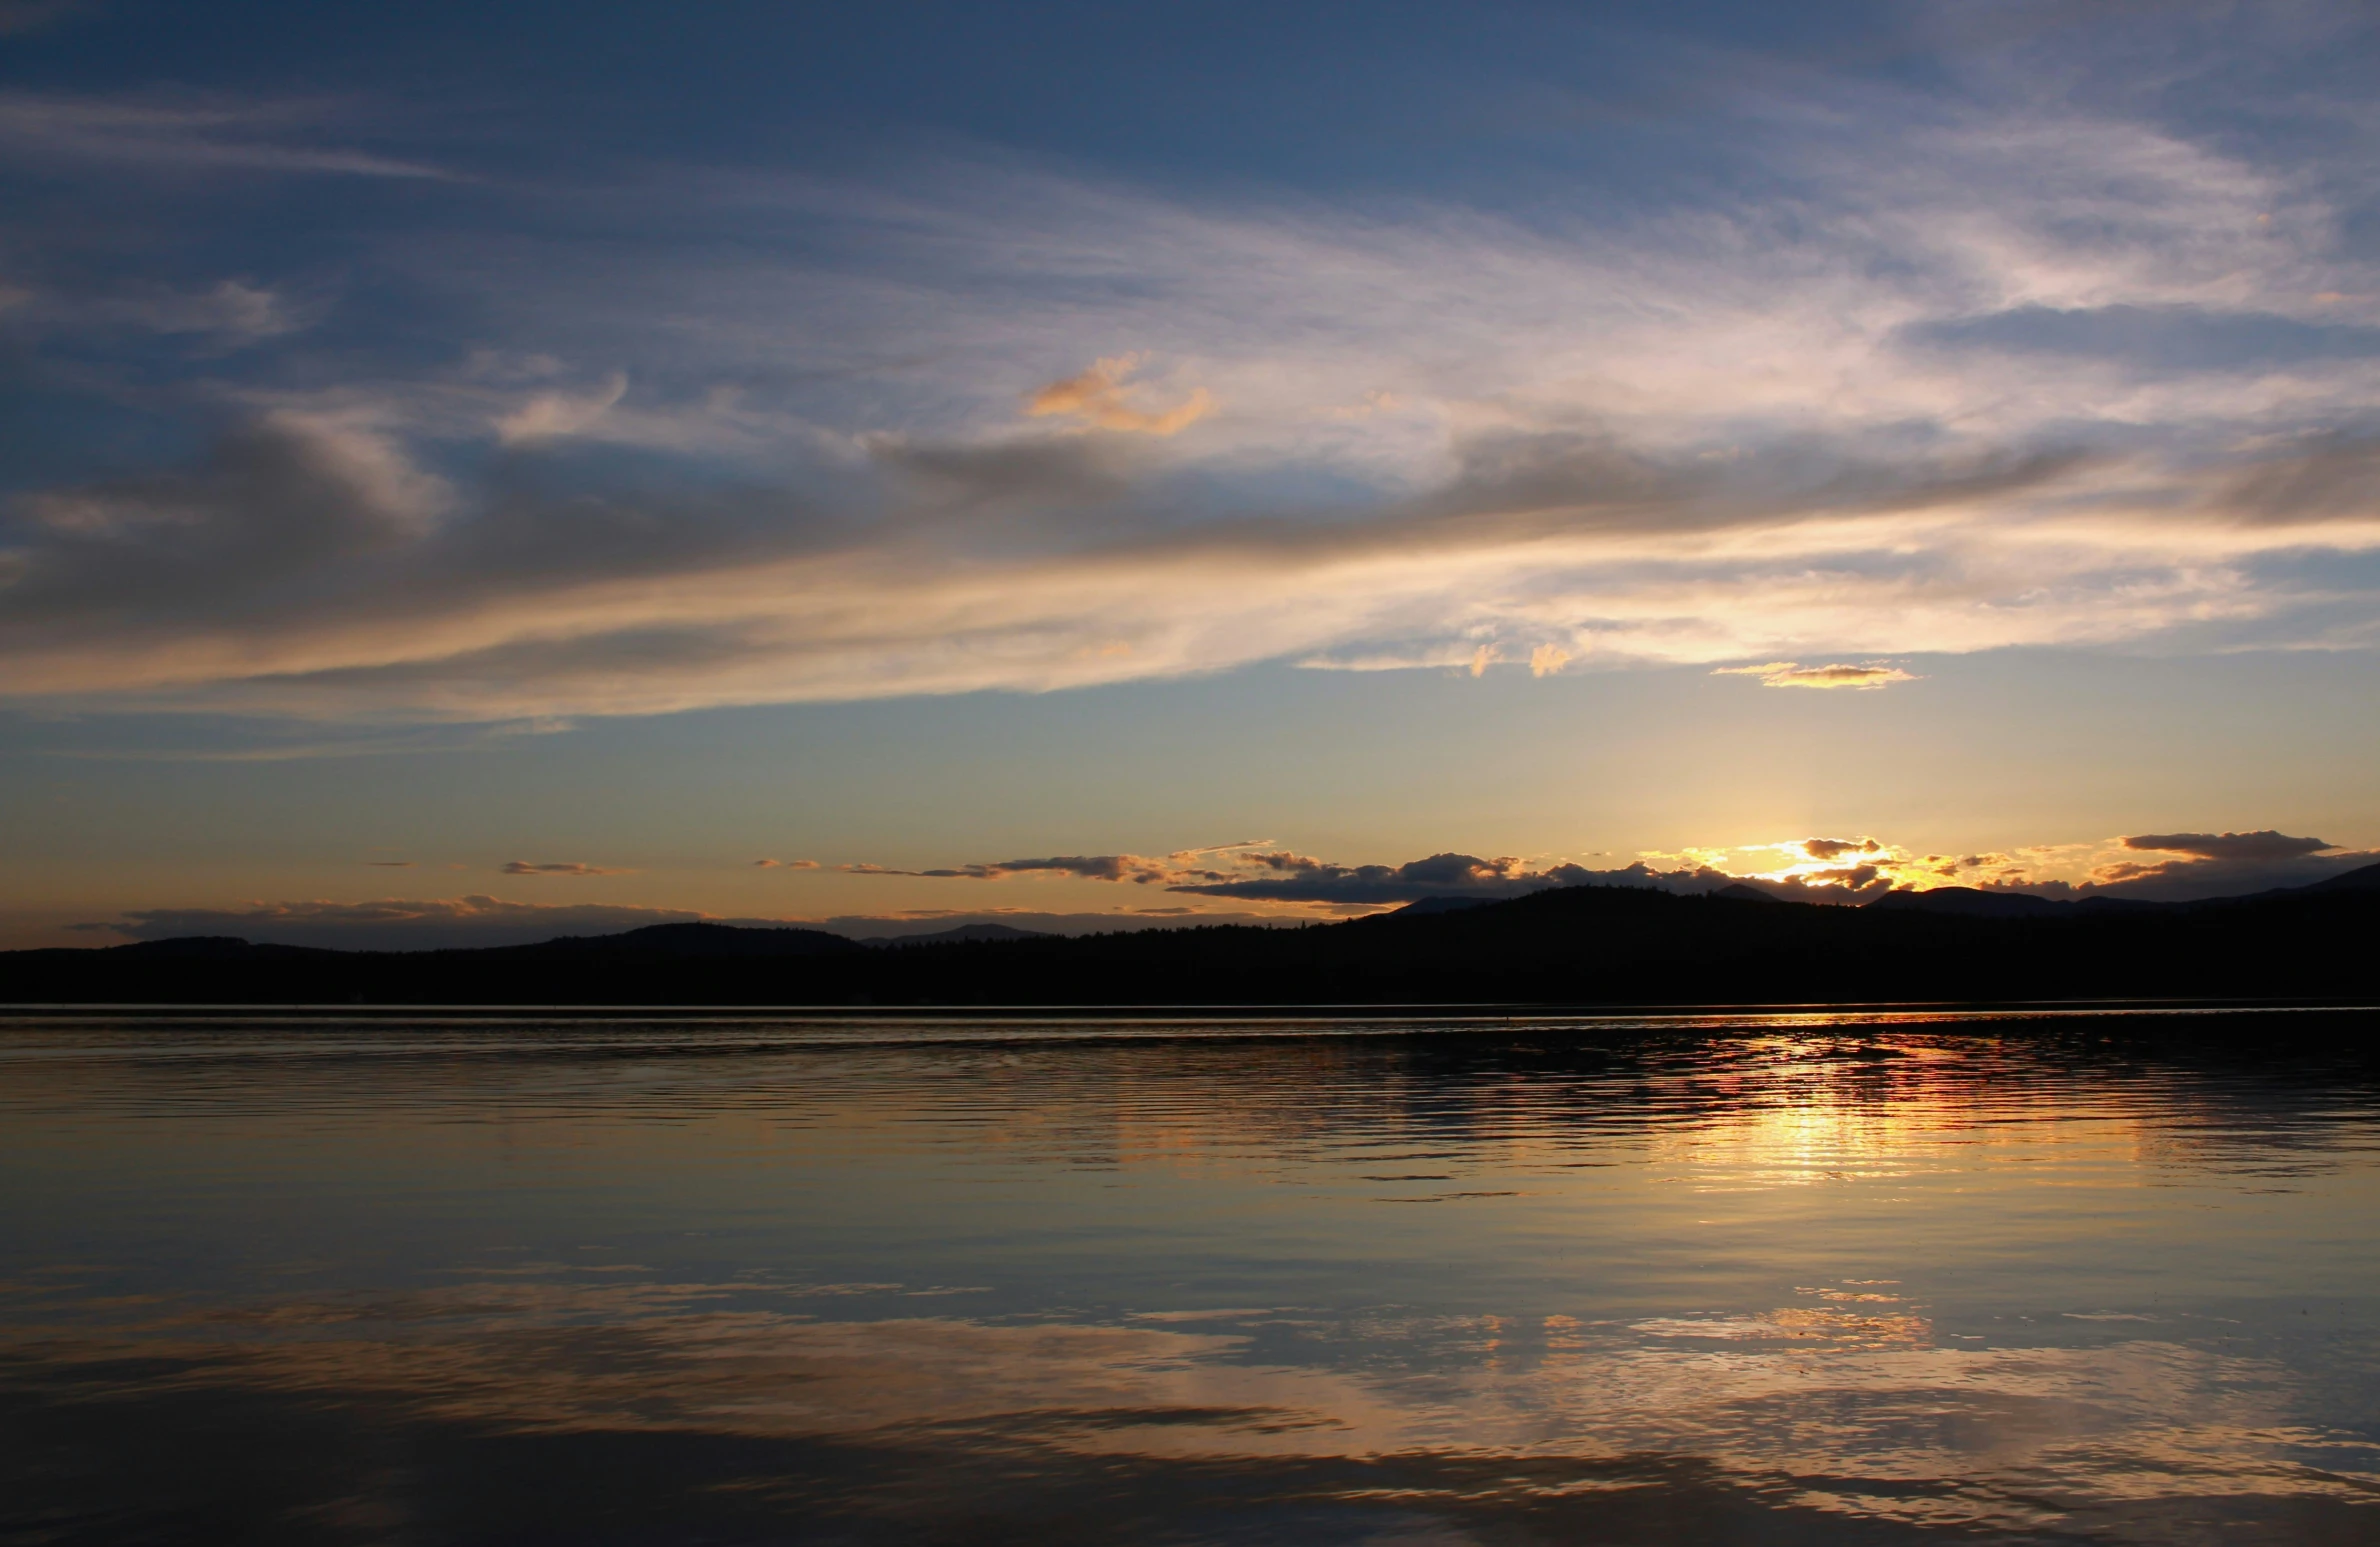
(1801, 1278)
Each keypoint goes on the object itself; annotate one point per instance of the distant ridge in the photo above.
(977, 932)
(1426, 905)
(2366, 879)
(216, 946)
(683, 941)
(1970, 902)
(1978, 902)
(1589, 945)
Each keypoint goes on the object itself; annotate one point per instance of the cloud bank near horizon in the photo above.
(1272, 886)
(2163, 867)
(2012, 364)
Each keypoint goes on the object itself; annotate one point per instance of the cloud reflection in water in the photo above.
(1553, 1352)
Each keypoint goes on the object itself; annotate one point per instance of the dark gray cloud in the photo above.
(309, 564)
(1306, 880)
(1255, 874)
(2156, 338)
(1575, 481)
(290, 536)
(1273, 875)
(2204, 865)
(1140, 868)
(522, 867)
(286, 519)
(1038, 470)
(1301, 878)
(255, 533)
(2263, 845)
(2322, 477)
(1589, 478)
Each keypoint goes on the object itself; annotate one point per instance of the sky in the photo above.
(475, 473)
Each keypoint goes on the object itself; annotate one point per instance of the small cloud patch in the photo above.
(785, 864)
(522, 867)
(555, 415)
(1788, 674)
(1104, 397)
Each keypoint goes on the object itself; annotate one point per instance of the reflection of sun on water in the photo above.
(1829, 1110)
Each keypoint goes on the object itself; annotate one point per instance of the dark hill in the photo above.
(1579, 945)
(2366, 879)
(1423, 905)
(215, 948)
(681, 942)
(1971, 902)
(962, 932)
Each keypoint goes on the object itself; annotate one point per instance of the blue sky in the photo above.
(920, 438)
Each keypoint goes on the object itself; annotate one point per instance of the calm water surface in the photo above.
(1788, 1279)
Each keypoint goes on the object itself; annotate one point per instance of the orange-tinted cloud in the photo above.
(1786, 674)
(1104, 397)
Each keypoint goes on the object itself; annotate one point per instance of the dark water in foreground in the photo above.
(1803, 1279)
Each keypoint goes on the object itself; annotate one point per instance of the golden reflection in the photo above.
(1850, 1384)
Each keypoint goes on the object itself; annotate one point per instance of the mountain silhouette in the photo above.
(961, 932)
(1968, 902)
(678, 942)
(1583, 946)
(2366, 879)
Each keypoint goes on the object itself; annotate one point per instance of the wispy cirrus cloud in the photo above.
(550, 415)
(158, 133)
(2002, 370)
(217, 318)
